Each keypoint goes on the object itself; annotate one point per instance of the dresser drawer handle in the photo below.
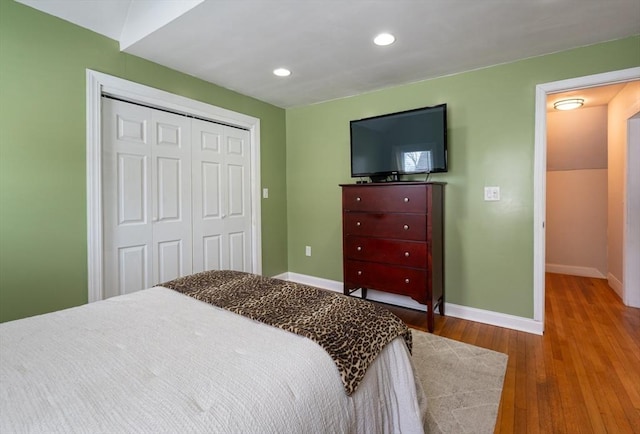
(358, 223)
(406, 227)
(359, 273)
(359, 248)
(406, 254)
(406, 280)
(406, 199)
(358, 199)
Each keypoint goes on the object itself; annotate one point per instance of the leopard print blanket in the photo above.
(352, 331)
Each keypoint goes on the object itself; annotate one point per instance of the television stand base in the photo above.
(385, 178)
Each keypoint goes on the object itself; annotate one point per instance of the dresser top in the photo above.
(382, 184)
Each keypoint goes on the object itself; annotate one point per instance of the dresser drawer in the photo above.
(400, 226)
(406, 253)
(381, 198)
(388, 278)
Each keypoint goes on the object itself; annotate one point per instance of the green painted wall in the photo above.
(43, 253)
(489, 245)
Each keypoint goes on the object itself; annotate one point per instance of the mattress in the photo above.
(158, 361)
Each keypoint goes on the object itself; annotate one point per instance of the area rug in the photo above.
(462, 382)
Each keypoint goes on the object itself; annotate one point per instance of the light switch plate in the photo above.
(491, 193)
(265, 193)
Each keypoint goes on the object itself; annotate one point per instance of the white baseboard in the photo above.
(305, 279)
(615, 284)
(574, 270)
(499, 319)
(463, 312)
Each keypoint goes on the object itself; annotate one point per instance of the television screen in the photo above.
(404, 143)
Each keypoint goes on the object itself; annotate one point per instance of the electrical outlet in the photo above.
(491, 193)
(307, 250)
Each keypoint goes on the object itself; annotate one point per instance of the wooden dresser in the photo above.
(393, 240)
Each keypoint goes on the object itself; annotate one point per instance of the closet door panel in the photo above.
(236, 143)
(212, 252)
(170, 260)
(169, 198)
(222, 201)
(169, 134)
(131, 122)
(211, 196)
(238, 197)
(131, 195)
(208, 201)
(126, 199)
(236, 191)
(133, 266)
(237, 251)
(171, 189)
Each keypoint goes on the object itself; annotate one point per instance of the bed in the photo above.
(160, 361)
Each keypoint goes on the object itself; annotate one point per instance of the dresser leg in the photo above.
(364, 293)
(441, 306)
(430, 321)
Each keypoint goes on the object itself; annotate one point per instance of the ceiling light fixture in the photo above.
(568, 104)
(384, 39)
(282, 72)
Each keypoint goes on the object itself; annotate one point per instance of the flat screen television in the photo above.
(404, 143)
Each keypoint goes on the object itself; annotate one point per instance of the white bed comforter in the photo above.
(157, 361)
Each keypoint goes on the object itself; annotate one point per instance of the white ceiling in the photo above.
(327, 44)
(594, 96)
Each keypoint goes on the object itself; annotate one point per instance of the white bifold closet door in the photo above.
(221, 197)
(176, 197)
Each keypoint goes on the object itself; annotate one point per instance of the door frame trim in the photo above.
(97, 84)
(540, 169)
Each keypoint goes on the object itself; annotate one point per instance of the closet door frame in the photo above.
(99, 84)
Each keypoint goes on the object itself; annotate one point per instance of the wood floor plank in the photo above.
(532, 408)
(553, 383)
(581, 376)
(544, 386)
(590, 409)
(507, 422)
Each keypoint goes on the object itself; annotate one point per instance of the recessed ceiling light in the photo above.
(384, 39)
(568, 104)
(282, 72)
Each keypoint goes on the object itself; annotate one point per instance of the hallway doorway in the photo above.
(630, 216)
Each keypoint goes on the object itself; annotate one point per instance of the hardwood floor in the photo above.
(582, 376)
